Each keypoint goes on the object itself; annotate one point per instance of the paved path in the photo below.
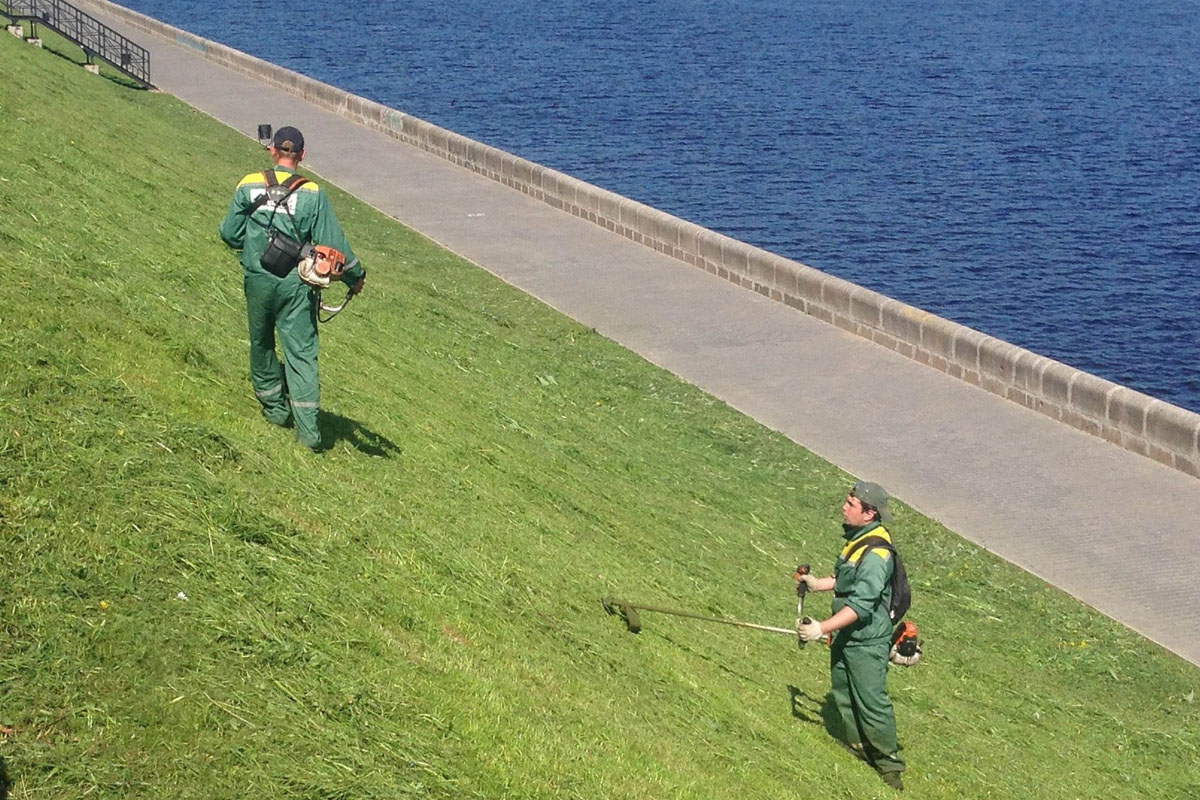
(1110, 527)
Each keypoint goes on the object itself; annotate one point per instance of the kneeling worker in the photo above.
(273, 213)
(862, 632)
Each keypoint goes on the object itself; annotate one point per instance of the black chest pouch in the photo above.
(282, 253)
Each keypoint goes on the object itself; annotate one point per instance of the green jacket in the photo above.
(863, 581)
(311, 220)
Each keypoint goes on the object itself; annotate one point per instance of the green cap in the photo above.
(874, 495)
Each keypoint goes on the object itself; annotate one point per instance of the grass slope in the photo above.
(415, 612)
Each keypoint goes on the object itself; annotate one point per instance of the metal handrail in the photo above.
(92, 35)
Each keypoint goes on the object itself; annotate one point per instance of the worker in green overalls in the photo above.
(862, 632)
(265, 205)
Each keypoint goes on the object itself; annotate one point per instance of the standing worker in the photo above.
(862, 632)
(272, 215)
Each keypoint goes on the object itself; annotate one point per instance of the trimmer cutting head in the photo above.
(627, 612)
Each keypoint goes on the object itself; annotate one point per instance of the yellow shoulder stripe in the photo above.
(256, 179)
(853, 553)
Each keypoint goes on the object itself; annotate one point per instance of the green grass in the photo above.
(415, 612)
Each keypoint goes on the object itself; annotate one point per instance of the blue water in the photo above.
(1028, 169)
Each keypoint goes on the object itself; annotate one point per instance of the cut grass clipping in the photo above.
(194, 607)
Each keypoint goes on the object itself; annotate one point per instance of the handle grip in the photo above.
(801, 586)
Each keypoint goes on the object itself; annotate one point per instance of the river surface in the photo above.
(1031, 170)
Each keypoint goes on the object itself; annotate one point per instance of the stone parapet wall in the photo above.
(1132, 420)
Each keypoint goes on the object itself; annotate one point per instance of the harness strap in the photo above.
(293, 183)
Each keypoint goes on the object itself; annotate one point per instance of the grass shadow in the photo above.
(336, 428)
(4, 784)
(807, 709)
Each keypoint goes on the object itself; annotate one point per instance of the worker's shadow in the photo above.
(336, 428)
(807, 709)
(3, 780)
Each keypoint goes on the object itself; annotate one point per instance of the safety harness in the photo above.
(317, 265)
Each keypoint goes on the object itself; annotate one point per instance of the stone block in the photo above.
(627, 213)
(710, 247)
(606, 204)
(1089, 395)
(845, 323)
(1134, 444)
(16, 30)
(1056, 382)
(820, 312)
(1080, 422)
(864, 308)
(523, 173)
(835, 294)
(966, 348)
(689, 234)
(882, 338)
(92, 68)
(647, 222)
(901, 320)
(760, 266)
(1018, 395)
(477, 155)
(937, 334)
(1173, 428)
(436, 139)
(998, 358)
(669, 231)
(1127, 410)
(1027, 370)
(995, 385)
(1187, 466)
(456, 147)
(735, 256)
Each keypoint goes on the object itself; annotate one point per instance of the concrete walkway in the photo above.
(1112, 528)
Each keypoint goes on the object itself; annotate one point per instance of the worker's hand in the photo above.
(809, 580)
(358, 287)
(809, 630)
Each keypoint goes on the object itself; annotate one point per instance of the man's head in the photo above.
(866, 503)
(288, 145)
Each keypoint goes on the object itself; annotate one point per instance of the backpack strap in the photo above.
(293, 182)
(868, 544)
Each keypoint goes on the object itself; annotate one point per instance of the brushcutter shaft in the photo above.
(675, 613)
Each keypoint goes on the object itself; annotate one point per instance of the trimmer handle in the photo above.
(801, 590)
(801, 586)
